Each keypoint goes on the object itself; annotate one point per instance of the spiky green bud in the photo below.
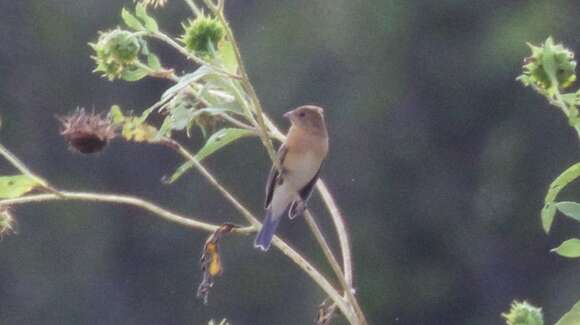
(522, 313)
(201, 34)
(550, 65)
(116, 51)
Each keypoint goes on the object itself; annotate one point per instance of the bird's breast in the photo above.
(301, 168)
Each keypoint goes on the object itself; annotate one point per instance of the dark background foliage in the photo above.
(440, 161)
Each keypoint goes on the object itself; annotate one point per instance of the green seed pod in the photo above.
(116, 51)
(522, 313)
(201, 33)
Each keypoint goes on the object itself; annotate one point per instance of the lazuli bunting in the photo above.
(299, 158)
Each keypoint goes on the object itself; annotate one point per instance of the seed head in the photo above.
(201, 33)
(550, 65)
(116, 52)
(87, 132)
(522, 313)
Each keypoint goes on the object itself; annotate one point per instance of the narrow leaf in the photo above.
(150, 23)
(134, 75)
(131, 21)
(216, 142)
(185, 81)
(228, 56)
(16, 186)
(548, 213)
(570, 209)
(153, 61)
(569, 248)
(557, 185)
(572, 317)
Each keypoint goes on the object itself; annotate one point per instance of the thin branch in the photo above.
(284, 247)
(194, 7)
(24, 170)
(121, 199)
(310, 220)
(248, 86)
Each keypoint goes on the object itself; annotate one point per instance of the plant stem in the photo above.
(187, 54)
(194, 7)
(121, 199)
(271, 128)
(559, 102)
(24, 170)
(284, 247)
(310, 220)
(250, 89)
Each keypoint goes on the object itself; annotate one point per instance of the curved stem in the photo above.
(284, 247)
(24, 170)
(121, 199)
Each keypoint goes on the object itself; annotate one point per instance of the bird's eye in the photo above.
(302, 114)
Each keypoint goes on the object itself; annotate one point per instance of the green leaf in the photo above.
(150, 23)
(116, 114)
(228, 56)
(16, 186)
(134, 75)
(185, 81)
(572, 317)
(216, 142)
(131, 21)
(557, 185)
(570, 209)
(153, 62)
(569, 248)
(548, 213)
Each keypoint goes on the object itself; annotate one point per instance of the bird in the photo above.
(299, 159)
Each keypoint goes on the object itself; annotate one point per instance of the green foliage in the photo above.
(569, 248)
(132, 128)
(141, 21)
(216, 142)
(522, 313)
(572, 317)
(549, 210)
(570, 209)
(202, 35)
(15, 186)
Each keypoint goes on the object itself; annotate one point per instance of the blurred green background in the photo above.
(439, 160)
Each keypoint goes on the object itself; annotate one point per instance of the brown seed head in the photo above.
(87, 132)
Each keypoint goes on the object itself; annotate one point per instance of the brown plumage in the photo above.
(300, 158)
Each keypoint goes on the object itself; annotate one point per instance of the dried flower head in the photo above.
(116, 52)
(7, 222)
(87, 132)
(201, 34)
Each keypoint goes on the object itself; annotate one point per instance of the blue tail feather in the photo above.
(269, 225)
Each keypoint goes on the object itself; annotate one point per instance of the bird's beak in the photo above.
(288, 114)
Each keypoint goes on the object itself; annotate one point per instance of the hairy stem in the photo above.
(121, 199)
(284, 247)
(24, 170)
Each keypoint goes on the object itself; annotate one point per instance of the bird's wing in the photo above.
(274, 176)
(305, 194)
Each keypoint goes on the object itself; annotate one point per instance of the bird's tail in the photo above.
(269, 225)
